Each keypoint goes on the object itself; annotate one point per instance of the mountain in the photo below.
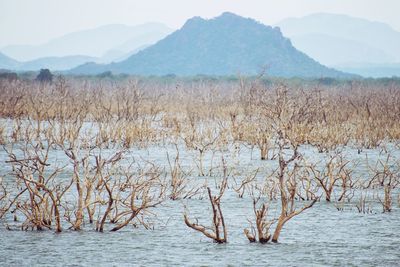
(111, 43)
(118, 55)
(332, 51)
(93, 42)
(55, 63)
(334, 39)
(226, 45)
(52, 63)
(8, 63)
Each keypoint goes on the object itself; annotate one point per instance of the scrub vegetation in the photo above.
(68, 151)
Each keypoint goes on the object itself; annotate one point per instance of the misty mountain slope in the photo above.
(118, 55)
(55, 63)
(332, 50)
(8, 63)
(377, 42)
(52, 63)
(93, 42)
(146, 39)
(226, 45)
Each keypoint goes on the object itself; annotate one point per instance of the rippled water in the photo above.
(321, 236)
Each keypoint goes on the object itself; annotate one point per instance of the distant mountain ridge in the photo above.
(225, 45)
(335, 39)
(93, 42)
(53, 63)
(8, 63)
(348, 44)
(112, 43)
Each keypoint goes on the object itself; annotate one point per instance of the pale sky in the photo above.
(37, 21)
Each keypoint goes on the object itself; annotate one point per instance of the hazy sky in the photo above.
(37, 21)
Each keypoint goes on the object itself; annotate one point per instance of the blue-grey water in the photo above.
(321, 236)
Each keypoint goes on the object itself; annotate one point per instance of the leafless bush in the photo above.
(218, 232)
(180, 185)
(94, 125)
(260, 233)
(39, 198)
(385, 176)
(333, 172)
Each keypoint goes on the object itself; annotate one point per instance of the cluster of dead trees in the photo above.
(130, 113)
(68, 148)
(78, 187)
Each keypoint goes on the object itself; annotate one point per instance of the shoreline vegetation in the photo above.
(67, 146)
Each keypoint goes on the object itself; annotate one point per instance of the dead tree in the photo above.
(290, 115)
(3, 197)
(332, 173)
(244, 183)
(39, 199)
(218, 232)
(261, 232)
(178, 178)
(139, 193)
(288, 188)
(385, 176)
